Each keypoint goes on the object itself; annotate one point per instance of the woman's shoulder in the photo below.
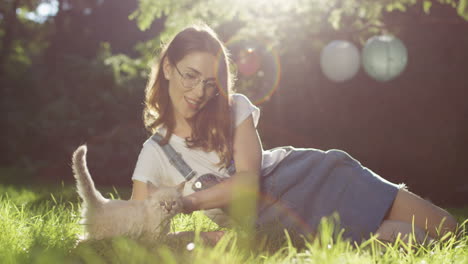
(236, 97)
(239, 100)
(242, 108)
(152, 150)
(151, 145)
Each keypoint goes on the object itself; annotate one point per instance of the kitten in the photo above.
(104, 218)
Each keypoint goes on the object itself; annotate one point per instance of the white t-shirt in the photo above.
(153, 165)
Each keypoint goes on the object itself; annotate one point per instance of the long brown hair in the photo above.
(212, 127)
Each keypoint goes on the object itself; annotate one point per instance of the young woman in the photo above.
(206, 135)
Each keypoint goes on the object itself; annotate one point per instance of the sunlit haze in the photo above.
(43, 11)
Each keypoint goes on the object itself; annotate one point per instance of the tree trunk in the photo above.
(11, 20)
(52, 52)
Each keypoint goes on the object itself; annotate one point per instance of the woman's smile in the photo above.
(193, 104)
(188, 93)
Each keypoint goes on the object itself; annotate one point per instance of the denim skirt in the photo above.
(310, 184)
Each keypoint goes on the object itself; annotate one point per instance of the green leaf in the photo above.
(396, 6)
(462, 9)
(148, 11)
(427, 6)
(335, 18)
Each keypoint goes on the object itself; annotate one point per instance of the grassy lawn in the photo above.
(40, 225)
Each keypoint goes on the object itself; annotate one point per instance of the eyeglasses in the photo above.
(192, 79)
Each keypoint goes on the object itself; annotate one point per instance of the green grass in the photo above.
(40, 225)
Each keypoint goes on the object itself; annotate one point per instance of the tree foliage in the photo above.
(63, 86)
(286, 26)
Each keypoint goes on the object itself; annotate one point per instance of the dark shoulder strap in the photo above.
(179, 163)
(232, 168)
(175, 158)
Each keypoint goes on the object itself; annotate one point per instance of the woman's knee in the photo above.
(450, 223)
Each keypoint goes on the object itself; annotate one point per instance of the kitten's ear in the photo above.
(180, 186)
(151, 187)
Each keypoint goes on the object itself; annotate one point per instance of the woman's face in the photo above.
(192, 83)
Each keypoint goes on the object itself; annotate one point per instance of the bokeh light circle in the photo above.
(190, 246)
(258, 68)
(340, 60)
(384, 57)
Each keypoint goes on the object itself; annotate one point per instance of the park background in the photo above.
(78, 76)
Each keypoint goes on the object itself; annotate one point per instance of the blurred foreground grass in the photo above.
(40, 225)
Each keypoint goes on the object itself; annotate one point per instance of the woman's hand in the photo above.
(188, 205)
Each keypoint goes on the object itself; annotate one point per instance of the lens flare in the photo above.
(258, 66)
(282, 209)
(248, 61)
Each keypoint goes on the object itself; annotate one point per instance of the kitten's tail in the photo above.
(84, 182)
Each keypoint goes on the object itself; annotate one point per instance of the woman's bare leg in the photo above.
(427, 216)
(389, 230)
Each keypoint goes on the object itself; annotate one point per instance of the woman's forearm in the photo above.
(222, 194)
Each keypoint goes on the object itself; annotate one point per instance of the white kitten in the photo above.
(104, 218)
